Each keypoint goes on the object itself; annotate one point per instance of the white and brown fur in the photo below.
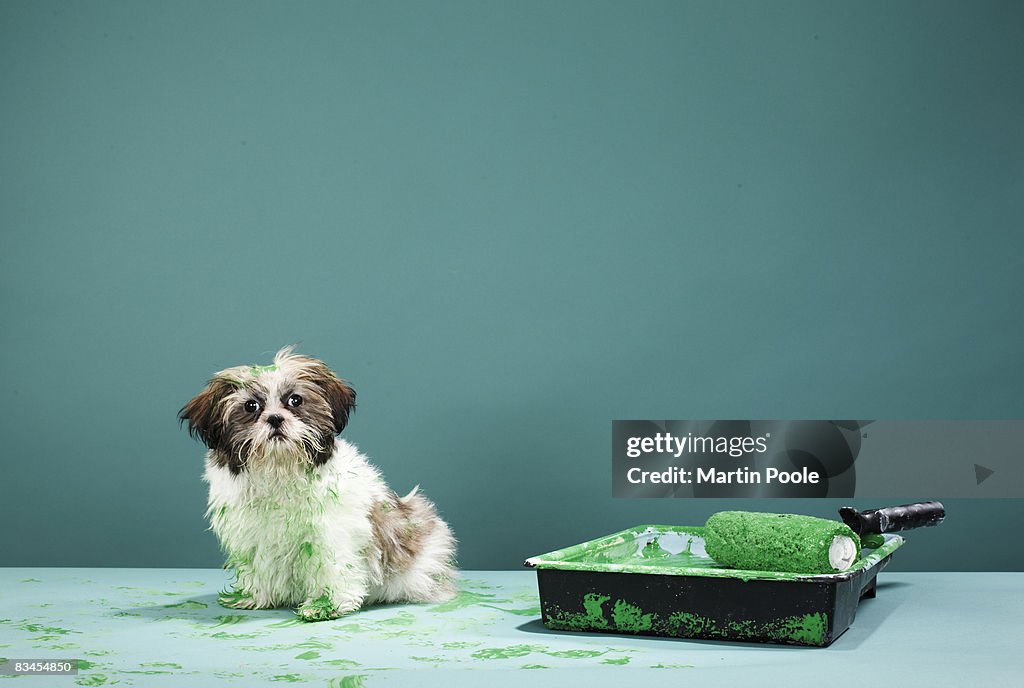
(303, 517)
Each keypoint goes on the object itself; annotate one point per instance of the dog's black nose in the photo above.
(275, 421)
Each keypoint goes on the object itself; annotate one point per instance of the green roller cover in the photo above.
(780, 542)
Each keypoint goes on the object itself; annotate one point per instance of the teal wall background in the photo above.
(506, 224)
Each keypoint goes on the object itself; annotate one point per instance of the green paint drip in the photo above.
(628, 617)
(806, 629)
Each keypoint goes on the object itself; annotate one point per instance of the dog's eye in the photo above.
(252, 406)
(294, 401)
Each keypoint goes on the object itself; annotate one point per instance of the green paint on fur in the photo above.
(320, 609)
(233, 598)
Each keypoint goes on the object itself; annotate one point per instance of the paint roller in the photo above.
(792, 543)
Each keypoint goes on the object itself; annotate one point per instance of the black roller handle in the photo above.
(893, 518)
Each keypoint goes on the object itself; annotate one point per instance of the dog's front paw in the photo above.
(320, 609)
(236, 599)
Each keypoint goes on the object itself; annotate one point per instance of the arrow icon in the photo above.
(981, 473)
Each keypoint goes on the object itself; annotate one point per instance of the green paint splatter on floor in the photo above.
(342, 663)
(229, 619)
(353, 681)
(50, 631)
(507, 652)
(436, 660)
(534, 666)
(671, 666)
(459, 645)
(309, 654)
(464, 599)
(168, 665)
(528, 611)
(187, 604)
(403, 619)
(94, 680)
(224, 635)
(575, 654)
(617, 660)
(289, 678)
(30, 580)
(286, 623)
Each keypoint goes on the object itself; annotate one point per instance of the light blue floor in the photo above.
(163, 627)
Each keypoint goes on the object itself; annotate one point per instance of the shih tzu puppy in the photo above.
(301, 515)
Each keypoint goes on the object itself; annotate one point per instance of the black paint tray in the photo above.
(658, 580)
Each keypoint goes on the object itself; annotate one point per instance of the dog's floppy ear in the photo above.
(340, 396)
(204, 414)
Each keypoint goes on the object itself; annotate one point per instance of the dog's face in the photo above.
(288, 412)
